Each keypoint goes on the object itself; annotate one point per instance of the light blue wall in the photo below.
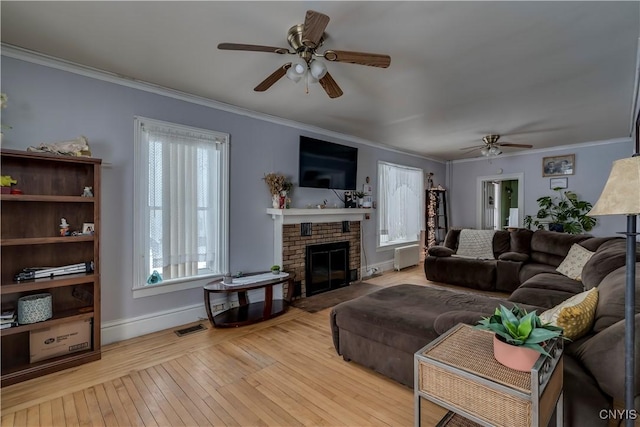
(48, 105)
(592, 167)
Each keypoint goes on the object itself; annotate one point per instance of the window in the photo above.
(400, 190)
(181, 199)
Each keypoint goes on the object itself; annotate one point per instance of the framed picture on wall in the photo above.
(558, 183)
(559, 165)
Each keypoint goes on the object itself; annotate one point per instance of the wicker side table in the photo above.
(458, 371)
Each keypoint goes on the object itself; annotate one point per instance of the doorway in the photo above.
(500, 202)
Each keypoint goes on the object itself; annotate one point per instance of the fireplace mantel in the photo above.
(283, 217)
(298, 216)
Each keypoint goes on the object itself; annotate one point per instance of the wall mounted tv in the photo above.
(325, 164)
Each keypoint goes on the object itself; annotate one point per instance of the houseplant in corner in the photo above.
(564, 211)
(518, 336)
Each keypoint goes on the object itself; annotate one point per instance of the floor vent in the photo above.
(190, 330)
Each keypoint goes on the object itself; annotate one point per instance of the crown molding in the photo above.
(34, 57)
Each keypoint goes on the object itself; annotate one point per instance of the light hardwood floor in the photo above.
(283, 372)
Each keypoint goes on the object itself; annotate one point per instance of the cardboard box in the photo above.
(59, 340)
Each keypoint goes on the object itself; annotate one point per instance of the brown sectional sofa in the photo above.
(384, 329)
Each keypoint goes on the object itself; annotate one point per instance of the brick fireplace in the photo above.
(296, 229)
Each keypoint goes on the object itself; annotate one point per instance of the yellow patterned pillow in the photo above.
(574, 262)
(574, 315)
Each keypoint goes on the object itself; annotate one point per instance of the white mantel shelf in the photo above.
(297, 216)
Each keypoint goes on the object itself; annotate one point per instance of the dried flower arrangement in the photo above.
(277, 183)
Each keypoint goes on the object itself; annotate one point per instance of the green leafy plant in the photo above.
(358, 194)
(564, 212)
(519, 328)
(275, 267)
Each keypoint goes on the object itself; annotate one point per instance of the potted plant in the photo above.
(518, 336)
(360, 196)
(275, 269)
(565, 213)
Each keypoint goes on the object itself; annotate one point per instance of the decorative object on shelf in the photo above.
(78, 147)
(279, 188)
(227, 279)
(517, 328)
(154, 278)
(88, 228)
(64, 227)
(275, 269)
(558, 165)
(621, 196)
(87, 192)
(566, 213)
(360, 196)
(34, 308)
(5, 183)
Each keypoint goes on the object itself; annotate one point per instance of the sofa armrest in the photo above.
(440, 251)
(513, 256)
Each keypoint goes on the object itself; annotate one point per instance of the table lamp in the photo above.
(621, 196)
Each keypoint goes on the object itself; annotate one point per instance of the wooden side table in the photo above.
(458, 371)
(247, 312)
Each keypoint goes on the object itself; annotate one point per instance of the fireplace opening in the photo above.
(326, 267)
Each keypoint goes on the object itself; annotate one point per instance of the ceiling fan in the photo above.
(491, 147)
(304, 41)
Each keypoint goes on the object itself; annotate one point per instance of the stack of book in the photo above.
(8, 319)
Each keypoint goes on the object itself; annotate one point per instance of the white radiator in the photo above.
(406, 256)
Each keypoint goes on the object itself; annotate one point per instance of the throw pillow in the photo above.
(476, 244)
(574, 262)
(574, 315)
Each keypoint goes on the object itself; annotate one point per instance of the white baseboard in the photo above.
(119, 330)
(124, 329)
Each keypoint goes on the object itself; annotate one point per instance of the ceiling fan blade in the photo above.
(330, 86)
(252, 48)
(475, 147)
(274, 77)
(508, 144)
(314, 26)
(362, 58)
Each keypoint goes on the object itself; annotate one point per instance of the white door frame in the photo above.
(506, 177)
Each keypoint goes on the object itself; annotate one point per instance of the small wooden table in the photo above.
(458, 371)
(247, 313)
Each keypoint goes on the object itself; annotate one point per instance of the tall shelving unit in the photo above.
(52, 188)
(437, 219)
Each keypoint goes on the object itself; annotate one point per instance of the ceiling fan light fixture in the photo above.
(484, 151)
(495, 151)
(318, 69)
(293, 76)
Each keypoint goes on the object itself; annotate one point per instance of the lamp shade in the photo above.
(317, 69)
(621, 193)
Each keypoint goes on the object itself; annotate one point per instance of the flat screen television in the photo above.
(325, 164)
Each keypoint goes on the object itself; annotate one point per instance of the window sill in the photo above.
(165, 288)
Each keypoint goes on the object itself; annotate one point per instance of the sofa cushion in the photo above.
(440, 251)
(514, 256)
(583, 399)
(451, 239)
(530, 269)
(603, 357)
(610, 307)
(550, 247)
(575, 315)
(574, 262)
(403, 316)
(609, 256)
(471, 273)
(520, 241)
(546, 290)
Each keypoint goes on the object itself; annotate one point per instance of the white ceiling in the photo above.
(540, 73)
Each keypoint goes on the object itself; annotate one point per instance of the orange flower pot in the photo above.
(513, 356)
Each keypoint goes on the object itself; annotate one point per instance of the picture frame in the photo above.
(559, 165)
(558, 183)
(88, 228)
